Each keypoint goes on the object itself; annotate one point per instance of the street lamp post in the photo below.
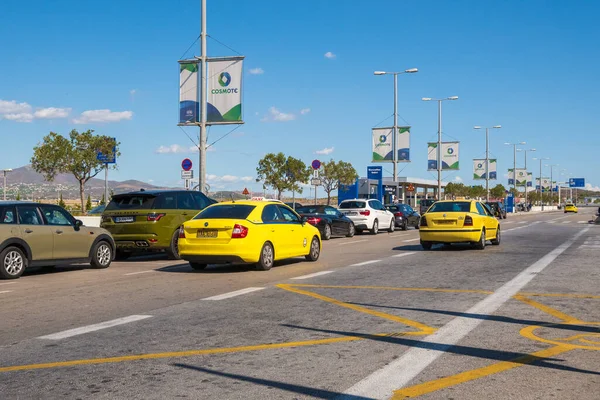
(395, 130)
(540, 178)
(487, 159)
(551, 183)
(5, 171)
(515, 165)
(439, 144)
(526, 173)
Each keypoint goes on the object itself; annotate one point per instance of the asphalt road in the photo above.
(379, 318)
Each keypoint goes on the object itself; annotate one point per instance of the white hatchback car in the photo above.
(368, 214)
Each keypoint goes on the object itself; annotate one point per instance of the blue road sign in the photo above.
(108, 158)
(316, 164)
(576, 182)
(186, 164)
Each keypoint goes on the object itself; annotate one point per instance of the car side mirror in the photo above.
(78, 224)
(304, 220)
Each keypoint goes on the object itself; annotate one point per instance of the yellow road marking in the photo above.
(392, 288)
(528, 332)
(571, 295)
(422, 327)
(478, 373)
(549, 310)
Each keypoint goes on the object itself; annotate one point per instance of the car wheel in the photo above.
(102, 255)
(480, 245)
(496, 241)
(375, 228)
(315, 250)
(173, 250)
(197, 266)
(351, 230)
(404, 225)
(504, 216)
(267, 257)
(426, 245)
(327, 232)
(392, 227)
(122, 255)
(12, 263)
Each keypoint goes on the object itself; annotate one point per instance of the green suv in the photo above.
(33, 234)
(150, 220)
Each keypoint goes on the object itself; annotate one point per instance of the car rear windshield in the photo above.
(226, 211)
(393, 208)
(459, 206)
(131, 202)
(309, 210)
(352, 204)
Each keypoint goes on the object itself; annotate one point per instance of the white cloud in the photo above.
(178, 149)
(588, 186)
(103, 116)
(305, 111)
(458, 179)
(51, 113)
(21, 117)
(325, 151)
(225, 179)
(276, 115)
(330, 55)
(247, 179)
(12, 107)
(133, 91)
(256, 71)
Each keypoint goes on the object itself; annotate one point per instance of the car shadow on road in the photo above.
(185, 267)
(288, 387)
(477, 352)
(33, 271)
(436, 247)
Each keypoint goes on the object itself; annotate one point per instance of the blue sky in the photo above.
(530, 66)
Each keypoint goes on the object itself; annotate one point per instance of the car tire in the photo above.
(102, 255)
(392, 227)
(173, 250)
(315, 250)
(267, 257)
(327, 232)
(496, 242)
(404, 225)
(375, 228)
(12, 263)
(197, 266)
(504, 216)
(351, 230)
(480, 245)
(426, 245)
(121, 255)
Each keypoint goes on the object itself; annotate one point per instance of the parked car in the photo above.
(368, 214)
(497, 208)
(247, 231)
(404, 215)
(424, 205)
(294, 206)
(33, 234)
(98, 210)
(464, 221)
(150, 220)
(328, 220)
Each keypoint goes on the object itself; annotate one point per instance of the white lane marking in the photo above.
(352, 242)
(382, 383)
(5, 291)
(139, 272)
(566, 222)
(404, 254)
(583, 246)
(582, 222)
(522, 222)
(365, 263)
(7, 283)
(410, 240)
(508, 222)
(95, 327)
(312, 275)
(233, 294)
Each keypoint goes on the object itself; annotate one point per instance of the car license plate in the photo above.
(124, 219)
(350, 213)
(206, 233)
(444, 222)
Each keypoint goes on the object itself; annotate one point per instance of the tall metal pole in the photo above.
(395, 130)
(526, 176)
(551, 186)
(515, 169)
(487, 165)
(541, 187)
(106, 184)
(439, 151)
(203, 78)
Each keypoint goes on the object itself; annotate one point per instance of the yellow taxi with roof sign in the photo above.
(570, 207)
(248, 231)
(464, 221)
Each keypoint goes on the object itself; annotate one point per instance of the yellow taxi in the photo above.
(464, 221)
(570, 207)
(249, 231)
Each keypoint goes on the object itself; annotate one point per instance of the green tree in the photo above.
(61, 202)
(477, 192)
(77, 155)
(498, 191)
(333, 174)
(103, 201)
(282, 173)
(88, 204)
(111, 194)
(18, 198)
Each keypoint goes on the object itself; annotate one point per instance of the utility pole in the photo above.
(203, 100)
(439, 152)
(487, 159)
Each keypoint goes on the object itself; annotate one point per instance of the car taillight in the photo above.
(399, 214)
(155, 217)
(181, 232)
(366, 213)
(423, 221)
(468, 221)
(313, 220)
(239, 232)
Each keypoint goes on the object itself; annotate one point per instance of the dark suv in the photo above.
(150, 220)
(425, 204)
(497, 209)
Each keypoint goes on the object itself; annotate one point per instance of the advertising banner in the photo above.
(189, 103)
(530, 179)
(382, 145)
(224, 91)
(545, 183)
(521, 177)
(479, 168)
(449, 156)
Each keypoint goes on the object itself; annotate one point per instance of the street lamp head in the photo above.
(411, 70)
(532, 150)
(453, 98)
(497, 126)
(379, 72)
(426, 99)
(476, 127)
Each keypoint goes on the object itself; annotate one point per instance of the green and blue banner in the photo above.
(224, 103)
(382, 144)
(189, 102)
(449, 154)
(479, 170)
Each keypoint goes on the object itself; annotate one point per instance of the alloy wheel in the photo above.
(13, 263)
